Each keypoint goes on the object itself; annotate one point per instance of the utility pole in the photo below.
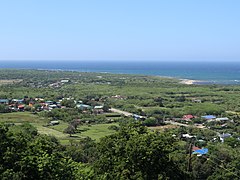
(190, 157)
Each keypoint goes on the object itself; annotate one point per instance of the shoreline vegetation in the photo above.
(223, 74)
(181, 80)
(185, 81)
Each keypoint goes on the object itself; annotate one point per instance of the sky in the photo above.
(120, 30)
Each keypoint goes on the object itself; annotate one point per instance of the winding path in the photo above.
(125, 113)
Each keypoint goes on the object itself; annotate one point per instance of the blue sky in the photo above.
(158, 30)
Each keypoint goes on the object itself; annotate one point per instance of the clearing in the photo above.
(95, 131)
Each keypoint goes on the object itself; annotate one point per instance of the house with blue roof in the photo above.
(19, 101)
(4, 101)
(209, 117)
(224, 136)
(201, 152)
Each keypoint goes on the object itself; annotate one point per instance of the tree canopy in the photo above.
(135, 153)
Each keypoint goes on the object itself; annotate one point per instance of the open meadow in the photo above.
(93, 131)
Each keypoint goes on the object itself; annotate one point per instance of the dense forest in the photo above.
(78, 125)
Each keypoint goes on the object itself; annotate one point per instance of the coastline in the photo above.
(177, 79)
(188, 73)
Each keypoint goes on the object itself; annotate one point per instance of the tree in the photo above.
(136, 153)
(70, 130)
(4, 108)
(159, 101)
(180, 98)
(83, 150)
(27, 155)
(150, 121)
(75, 123)
(68, 103)
(233, 142)
(222, 163)
(106, 108)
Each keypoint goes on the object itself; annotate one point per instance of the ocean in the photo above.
(206, 72)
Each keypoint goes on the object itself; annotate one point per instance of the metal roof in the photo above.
(201, 151)
(209, 117)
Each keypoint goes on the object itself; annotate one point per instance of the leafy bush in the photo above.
(150, 122)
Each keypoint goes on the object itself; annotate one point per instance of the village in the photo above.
(120, 90)
(75, 107)
(36, 105)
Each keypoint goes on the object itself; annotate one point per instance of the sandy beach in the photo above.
(189, 81)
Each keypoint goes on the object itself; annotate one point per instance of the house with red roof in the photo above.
(194, 148)
(188, 117)
(21, 107)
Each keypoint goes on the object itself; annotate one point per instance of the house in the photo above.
(222, 119)
(224, 125)
(58, 104)
(39, 99)
(224, 136)
(209, 117)
(4, 101)
(83, 106)
(65, 81)
(21, 107)
(197, 100)
(19, 101)
(49, 102)
(188, 117)
(52, 123)
(98, 109)
(187, 136)
(54, 85)
(138, 117)
(201, 152)
(194, 148)
(53, 106)
(31, 103)
(118, 97)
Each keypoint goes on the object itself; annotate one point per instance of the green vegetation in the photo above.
(25, 155)
(76, 125)
(93, 131)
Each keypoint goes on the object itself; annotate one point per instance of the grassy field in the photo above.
(97, 131)
(93, 131)
(21, 117)
(9, 81)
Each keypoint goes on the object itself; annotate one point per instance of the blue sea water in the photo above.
(208, 72)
